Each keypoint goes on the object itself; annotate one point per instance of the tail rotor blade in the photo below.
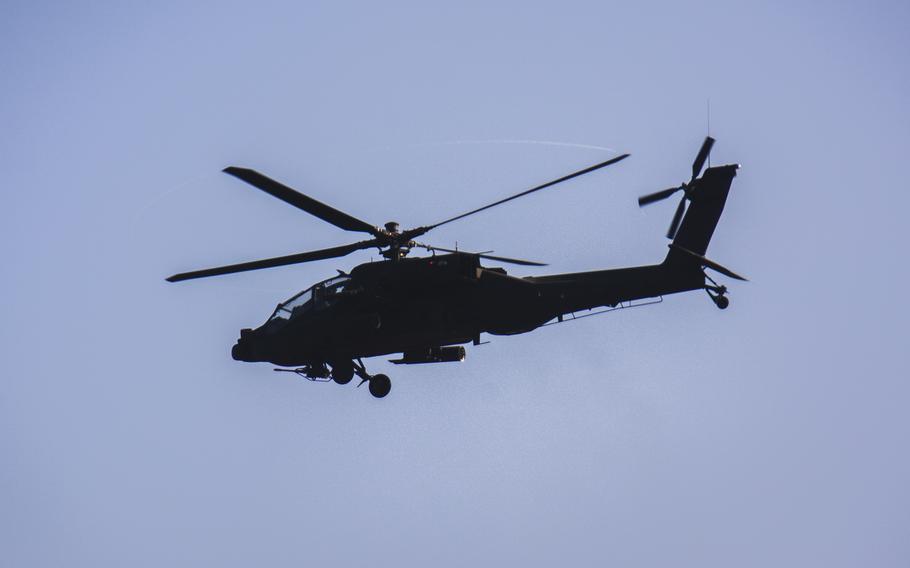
(677, 217)
(657, 196)
(699, 162)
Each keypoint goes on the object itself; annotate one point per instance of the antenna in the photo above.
(709, 127)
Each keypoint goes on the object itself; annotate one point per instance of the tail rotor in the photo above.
(685, 187)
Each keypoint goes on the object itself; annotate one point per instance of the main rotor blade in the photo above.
(487, 256)
(677, 217)
(272, 262)
(657, 196)
(532, 190)
(301, 201)
(701, 157)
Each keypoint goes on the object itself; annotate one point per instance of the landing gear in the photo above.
(342, 372)
(722, 302)
(719, 294)
(380, 385)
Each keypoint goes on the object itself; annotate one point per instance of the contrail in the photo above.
(517, 141)
(498, 141)
(142, 209)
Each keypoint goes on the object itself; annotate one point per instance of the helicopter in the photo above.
(427, 308)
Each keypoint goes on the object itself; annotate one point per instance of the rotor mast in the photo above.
(397, 247)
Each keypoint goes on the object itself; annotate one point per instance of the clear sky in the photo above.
(773, 433)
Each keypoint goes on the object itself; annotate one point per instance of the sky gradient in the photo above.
(772, 433)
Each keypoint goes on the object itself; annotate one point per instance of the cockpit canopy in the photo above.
(317, 297)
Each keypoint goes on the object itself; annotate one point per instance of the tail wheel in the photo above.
(380, 385)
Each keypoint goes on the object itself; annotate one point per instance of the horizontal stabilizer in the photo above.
(707, 263)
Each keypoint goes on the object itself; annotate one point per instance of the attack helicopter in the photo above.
(427, 308)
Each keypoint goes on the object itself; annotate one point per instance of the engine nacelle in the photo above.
(432, 355)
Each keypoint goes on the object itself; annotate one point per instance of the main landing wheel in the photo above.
(380, 385)
(722, 302)
(342, 373)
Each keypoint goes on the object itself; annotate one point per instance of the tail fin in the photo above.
(706, 204)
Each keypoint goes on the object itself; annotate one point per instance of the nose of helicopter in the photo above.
(242, 350)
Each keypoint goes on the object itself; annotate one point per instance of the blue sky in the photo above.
(771, 433)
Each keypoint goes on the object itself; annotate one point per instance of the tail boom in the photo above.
(681, 271)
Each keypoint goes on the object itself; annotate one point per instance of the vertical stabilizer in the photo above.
(707, 200)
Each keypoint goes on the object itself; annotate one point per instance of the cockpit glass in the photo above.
(317, 297)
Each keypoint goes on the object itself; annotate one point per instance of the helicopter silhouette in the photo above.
(427, 308)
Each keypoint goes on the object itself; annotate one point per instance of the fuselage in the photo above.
(414, 304)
